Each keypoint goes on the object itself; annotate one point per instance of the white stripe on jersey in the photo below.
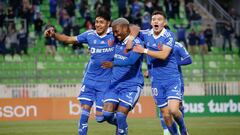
(162, 105)
(113, 100)
(125, 102)
(174, 97)
(79, 98)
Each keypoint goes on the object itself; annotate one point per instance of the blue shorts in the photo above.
(124, 95)
(165, 90)
(93, 93)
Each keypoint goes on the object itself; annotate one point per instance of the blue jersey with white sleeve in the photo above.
(127, 69)
(160, 69)
(101, 49)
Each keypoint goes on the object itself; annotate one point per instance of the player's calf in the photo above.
(122, 123)
(83, 122)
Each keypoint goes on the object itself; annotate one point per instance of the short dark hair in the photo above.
(104, 15)
(159, 13)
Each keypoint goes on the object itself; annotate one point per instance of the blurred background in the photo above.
(30, 62)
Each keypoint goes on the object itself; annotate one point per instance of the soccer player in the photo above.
(183, 58)
(96, 79)
(166, 84)
(127, 80)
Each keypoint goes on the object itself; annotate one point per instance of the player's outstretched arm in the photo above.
(163, 54)
(51, 32)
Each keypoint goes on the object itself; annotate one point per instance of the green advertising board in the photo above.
(212, 105)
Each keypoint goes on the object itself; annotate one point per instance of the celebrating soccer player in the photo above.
(183, 58)
(166, 83)
(127, 80)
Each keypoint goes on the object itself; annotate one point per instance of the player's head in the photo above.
(102, 22)
(120, 28)
(158, 21)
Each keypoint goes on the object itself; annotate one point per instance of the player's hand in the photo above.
(138, 49)
(50, 32)
(107, 64)
(128, 46)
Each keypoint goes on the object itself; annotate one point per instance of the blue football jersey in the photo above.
(127, 70)
(180, 54)
(160, 69)
(101, 49)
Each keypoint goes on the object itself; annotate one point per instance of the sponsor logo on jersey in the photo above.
(118, 56)
(101, 50)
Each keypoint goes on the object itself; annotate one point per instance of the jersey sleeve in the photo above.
(169, 41)
(184, 55)
(83, 38)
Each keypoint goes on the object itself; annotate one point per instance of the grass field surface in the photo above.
(196, 126)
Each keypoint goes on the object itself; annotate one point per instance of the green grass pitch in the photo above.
(196, 126)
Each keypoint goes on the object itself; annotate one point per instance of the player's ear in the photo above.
(165, 23)
(108, 23)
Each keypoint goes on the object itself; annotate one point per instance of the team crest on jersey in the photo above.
(160, 46)
(110, 42)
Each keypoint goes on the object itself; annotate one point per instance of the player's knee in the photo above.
(166, 116)
(174, 111)
(107, 115)
(100, 118)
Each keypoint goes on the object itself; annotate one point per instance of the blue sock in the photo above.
(181, 125)
(173, 129)
(122, 123)
(110, 117)
(83, 122)
(162, 121)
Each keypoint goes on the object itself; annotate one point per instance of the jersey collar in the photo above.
(161, 33)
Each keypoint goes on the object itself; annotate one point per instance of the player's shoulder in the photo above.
(145, 32)
(167, 33)
(91, 32)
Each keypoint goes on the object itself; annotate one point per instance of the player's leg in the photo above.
(163, 124)
(102, 88)
(109, 112)
(158, 93)
(174, 95)
(86, 100)
(128, 98)
(110, 104)
(83, 121)
(121, 116)
(170, 123)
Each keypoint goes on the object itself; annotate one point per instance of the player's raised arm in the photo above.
(51, 32)
(134, 31)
